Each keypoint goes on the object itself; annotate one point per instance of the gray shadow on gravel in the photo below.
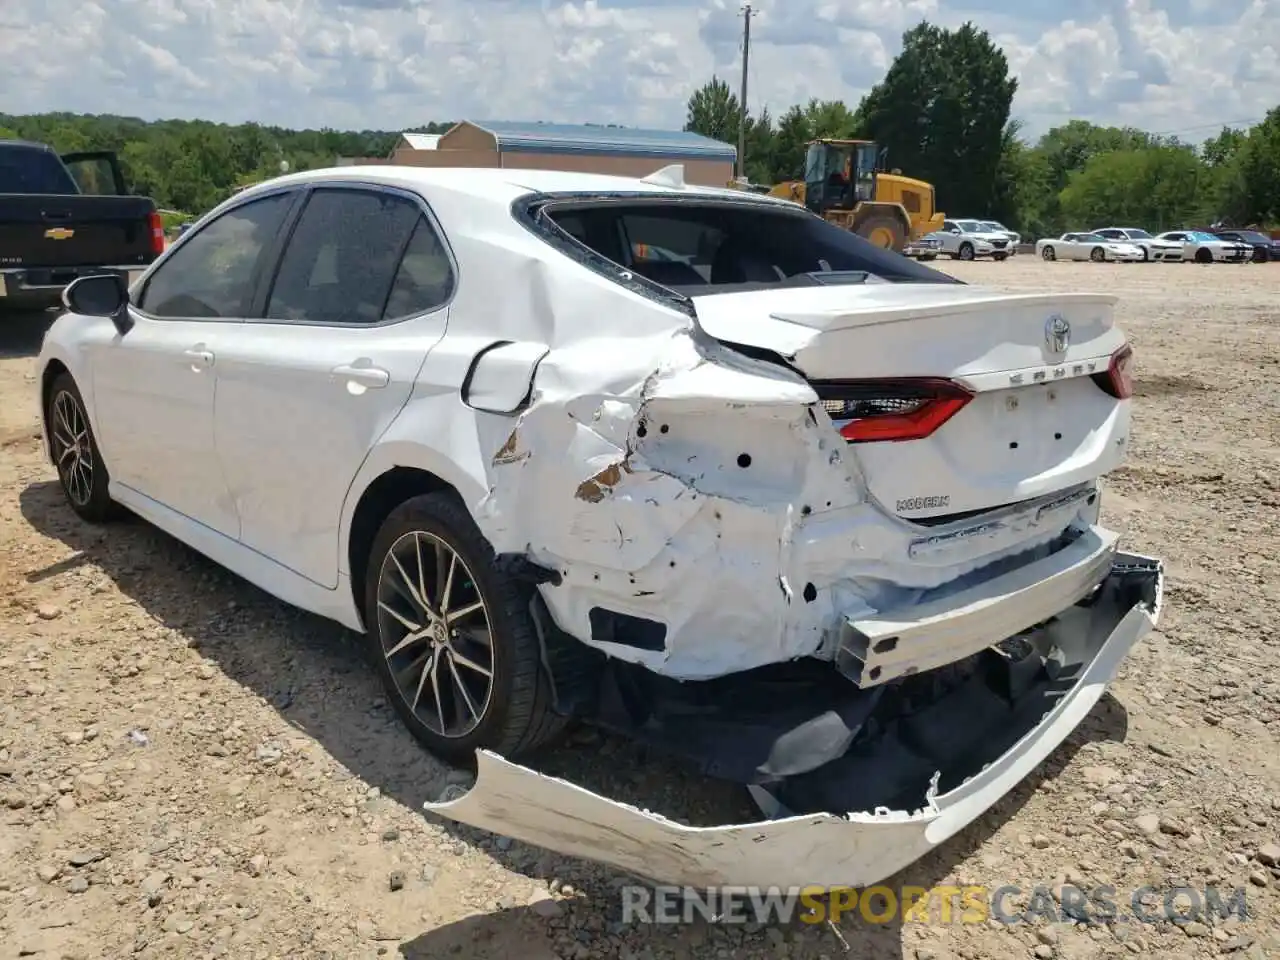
(316, 676)
(21, 331)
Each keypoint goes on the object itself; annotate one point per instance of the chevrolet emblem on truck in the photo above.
(59, 233)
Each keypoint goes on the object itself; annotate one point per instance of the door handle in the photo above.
(199, 357)
(364, 375)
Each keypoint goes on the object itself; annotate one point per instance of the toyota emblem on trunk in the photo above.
(1057, 333)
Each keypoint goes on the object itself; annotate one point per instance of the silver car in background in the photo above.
(968, 239)
(1015, 238)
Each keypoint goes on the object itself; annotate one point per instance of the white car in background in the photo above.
(995, 226)
(691, 464)
(1088, 246)
(969, 239)
(1199, 247)
(1155, 250)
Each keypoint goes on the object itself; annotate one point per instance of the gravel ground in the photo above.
(190, 769)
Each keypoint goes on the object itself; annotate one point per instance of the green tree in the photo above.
(941, 111)
(713, 112)
(1260, 171)
(793, 134)
(1159, 188)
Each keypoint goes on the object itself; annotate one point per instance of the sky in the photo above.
(1178, 66)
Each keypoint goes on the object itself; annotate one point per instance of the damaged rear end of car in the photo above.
(828, 529)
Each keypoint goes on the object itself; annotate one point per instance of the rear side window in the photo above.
(359, 257)
(28, 170)
(425, 278)
(691, 246)
(213, 273)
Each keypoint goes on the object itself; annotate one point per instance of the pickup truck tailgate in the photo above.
(43, 231)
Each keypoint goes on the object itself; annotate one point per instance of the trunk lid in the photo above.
(1037, 422)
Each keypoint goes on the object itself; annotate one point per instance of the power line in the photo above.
(1216, 124)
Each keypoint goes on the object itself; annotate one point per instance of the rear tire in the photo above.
(1097, 255)
(82, 474)
(966, 251)
(508, 710)
(1203, 256)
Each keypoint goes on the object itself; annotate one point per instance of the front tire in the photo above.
(1097, 255)
(1048, 254)
(453, 639)
(82, 474)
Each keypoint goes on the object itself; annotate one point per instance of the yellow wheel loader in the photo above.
(843, 183)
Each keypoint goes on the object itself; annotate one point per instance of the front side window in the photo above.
(344, 257)
(213, 273)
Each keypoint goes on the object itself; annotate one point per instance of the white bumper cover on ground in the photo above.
(825, 849)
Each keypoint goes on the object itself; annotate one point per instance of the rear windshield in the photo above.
(692, 245)
(28, 170)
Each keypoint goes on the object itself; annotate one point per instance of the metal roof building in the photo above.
(586, 148)
(593, 138)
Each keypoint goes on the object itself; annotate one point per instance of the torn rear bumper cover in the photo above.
(960, 753)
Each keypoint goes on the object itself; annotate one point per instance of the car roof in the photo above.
(502, 186)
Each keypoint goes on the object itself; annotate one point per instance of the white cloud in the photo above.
(1168, 65)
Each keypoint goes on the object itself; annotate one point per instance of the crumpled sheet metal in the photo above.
(658, 496)
(827, 849)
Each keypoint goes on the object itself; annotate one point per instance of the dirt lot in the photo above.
(190, 769)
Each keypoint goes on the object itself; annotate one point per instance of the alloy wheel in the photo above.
(435, 634)
(72, 450)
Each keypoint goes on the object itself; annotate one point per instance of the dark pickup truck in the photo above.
(67, 217)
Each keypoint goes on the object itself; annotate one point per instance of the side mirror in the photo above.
(101, 296)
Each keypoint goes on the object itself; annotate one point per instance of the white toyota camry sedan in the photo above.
(690, 464)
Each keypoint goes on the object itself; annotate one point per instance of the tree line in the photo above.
(192, 165)
(943, 114)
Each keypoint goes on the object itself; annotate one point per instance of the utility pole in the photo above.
(747, 14)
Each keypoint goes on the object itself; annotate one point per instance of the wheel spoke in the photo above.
(462, 689)
(404, 621)
(435, 686)
(422, 577)
(446, 595)
(409, 639)
(62, 415)
(469, 663)
(427, 668)
(456, 615)
(407, 581)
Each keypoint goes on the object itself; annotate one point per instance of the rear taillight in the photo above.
(156, 225)
(1118, 380)
(865, 411)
